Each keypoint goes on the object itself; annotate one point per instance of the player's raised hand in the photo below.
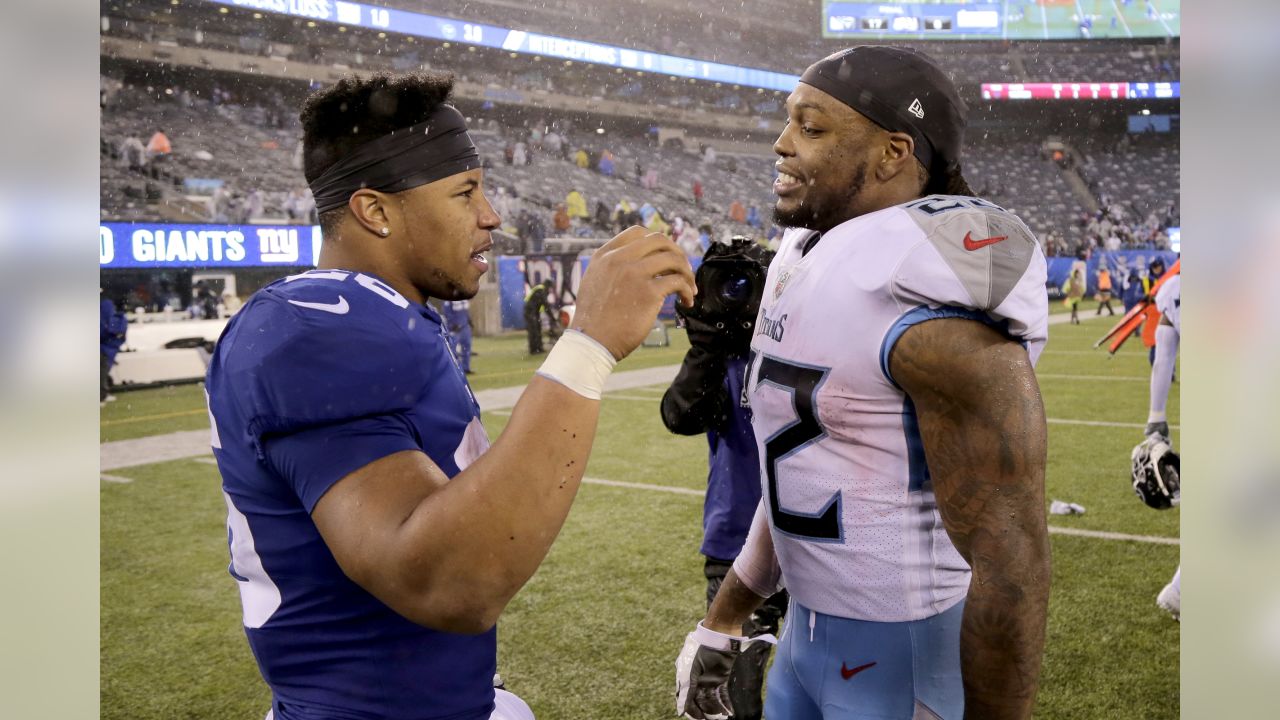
(625, 285)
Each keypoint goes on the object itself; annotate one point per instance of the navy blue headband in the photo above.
(404, 159)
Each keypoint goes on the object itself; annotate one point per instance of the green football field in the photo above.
(1052, 20)
(596, 631)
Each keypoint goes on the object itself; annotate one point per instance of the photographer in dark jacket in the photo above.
(706, 397)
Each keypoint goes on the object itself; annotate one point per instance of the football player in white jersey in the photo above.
(900, 426)
(1168, 336)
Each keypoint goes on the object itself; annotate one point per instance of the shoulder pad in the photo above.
(988, 248)
(311, 353)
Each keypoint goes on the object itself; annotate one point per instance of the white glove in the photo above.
(702, 674)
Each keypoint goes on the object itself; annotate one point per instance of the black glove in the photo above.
(702, 674)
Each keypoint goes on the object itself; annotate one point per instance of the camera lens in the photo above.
(735, 289)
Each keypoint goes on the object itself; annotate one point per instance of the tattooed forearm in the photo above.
(982, 422)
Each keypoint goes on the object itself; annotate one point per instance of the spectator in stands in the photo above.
(576, 204)
(650, 179)
(501, 202)
(656, 223)
(753, 217)
(552, 144)
(704, 237)
(737, 212)
(581, 160)
(255, 204)
(639, 173)
(622, 215)
(520, 154)
(697, 192)
(560, 221)
(133, 153)
(158, 146)
(509, 152)
(605, 166)
(532, 230)
(113, 326)
(602, 220)
(709, 155)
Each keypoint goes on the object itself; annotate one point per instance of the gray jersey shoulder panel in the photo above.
(990, 271)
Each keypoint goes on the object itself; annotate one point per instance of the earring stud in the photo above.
(385, 231)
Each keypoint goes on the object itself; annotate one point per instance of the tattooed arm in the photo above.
(982, 422)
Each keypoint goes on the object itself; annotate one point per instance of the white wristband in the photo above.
(714, 640)
(579, 363)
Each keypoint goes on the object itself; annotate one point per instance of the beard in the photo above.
(823, 212)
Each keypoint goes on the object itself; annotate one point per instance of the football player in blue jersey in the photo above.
(375, 536)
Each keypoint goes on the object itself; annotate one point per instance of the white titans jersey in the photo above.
(1169, 301)
(850, 503)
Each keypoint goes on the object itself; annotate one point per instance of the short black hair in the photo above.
(338, 119)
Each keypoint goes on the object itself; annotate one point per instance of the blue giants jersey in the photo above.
(318, 375)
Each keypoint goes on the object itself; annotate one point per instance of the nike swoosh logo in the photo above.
(846, 672)
(339, 308)
(970, 244)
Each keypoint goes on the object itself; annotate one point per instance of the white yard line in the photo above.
(1154, 539)
(1160, 17)
(1102, 423)
(1107, 378)
(1044, 20)
(643, 486)
(691, 492)
(1120, 14)
(1053, 529)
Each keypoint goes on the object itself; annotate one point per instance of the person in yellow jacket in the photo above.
(576, 204)
(657, 224)
(1073, 290)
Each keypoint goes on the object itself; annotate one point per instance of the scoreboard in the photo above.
(1081, 91)
(1000, 19)
(853, 19)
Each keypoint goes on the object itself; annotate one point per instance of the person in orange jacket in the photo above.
(1104, 292)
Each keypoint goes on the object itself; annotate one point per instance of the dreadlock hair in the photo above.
(955, 184)
(338, 119)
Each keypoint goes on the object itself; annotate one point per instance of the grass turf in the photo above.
(595, 632)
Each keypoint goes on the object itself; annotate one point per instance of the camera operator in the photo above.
(706, 397)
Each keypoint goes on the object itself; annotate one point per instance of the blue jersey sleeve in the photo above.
(311, 461)
(323, 393)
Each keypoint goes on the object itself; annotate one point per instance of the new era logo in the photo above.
(916, 108)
